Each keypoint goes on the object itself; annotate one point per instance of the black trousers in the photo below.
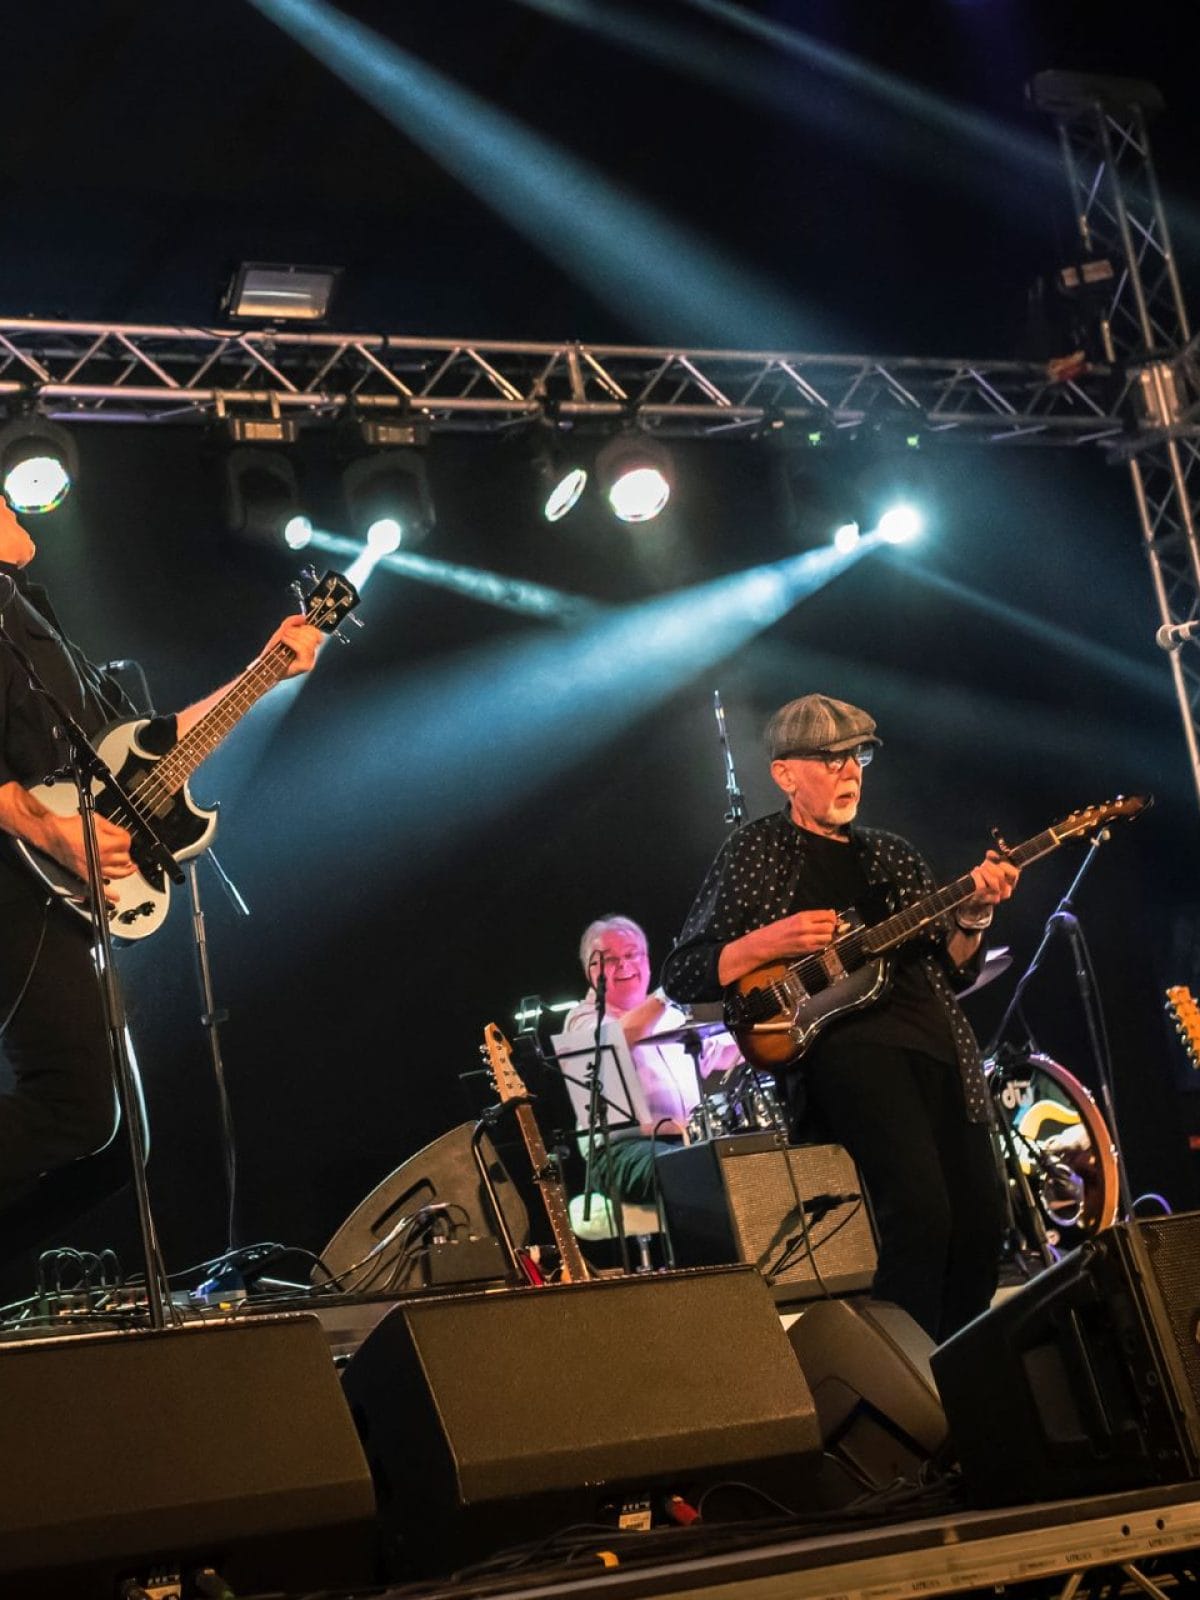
(60, 1104)
(929, 1172)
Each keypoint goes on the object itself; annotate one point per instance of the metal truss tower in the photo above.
(1128, 267)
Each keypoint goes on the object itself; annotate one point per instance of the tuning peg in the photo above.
(357, 621)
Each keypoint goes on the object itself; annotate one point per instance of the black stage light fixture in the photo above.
(261, 292)
(38, 463)
(388, 498)
(560, 475)
(263, 497)
(635, 475)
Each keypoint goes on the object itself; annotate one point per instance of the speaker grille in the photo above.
(1173, 1244)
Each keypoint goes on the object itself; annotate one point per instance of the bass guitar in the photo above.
(508, 1085)
(776, 1011)
(157, 786)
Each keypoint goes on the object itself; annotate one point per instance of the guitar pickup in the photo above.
(831, 964)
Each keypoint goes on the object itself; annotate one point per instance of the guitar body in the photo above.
(144, 897)
(779, 1040)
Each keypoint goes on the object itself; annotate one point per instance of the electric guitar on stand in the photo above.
(776, 1011)
(157, 789)
(498, 1054)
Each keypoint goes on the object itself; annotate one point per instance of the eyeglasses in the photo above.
(835, 760)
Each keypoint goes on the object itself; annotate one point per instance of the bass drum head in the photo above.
(1063, 1144)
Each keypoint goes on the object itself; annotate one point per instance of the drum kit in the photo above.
(1058, 1158)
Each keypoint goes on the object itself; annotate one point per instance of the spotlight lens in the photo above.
(565, 494)
(640, 494)
(384, 536)
(297, 532)
(846, 537)
(39, 483)
(900, 524)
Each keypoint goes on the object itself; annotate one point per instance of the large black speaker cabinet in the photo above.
(867, 1364)
(378, 1235)
(492, 1419)
(1088, 1379)
(739, 1199)
(226, 1446)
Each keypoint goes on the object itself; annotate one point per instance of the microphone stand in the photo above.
(598, 1123)
(211, 1018)
(86, 768)
(736, 813)
(1063, 917)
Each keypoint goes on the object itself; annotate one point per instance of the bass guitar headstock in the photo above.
(497, 1052)
(329, 602)
(1123, 808)
(1185, 1013)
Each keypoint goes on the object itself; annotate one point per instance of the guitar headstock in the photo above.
(1090, 818)
(329, 602)
(1186, 1014)
(497, 1052)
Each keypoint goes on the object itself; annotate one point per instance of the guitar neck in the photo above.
(177, 766)
(574, 1268)
(895, 930)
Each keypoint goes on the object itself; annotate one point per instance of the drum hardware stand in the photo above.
(211, 1018)
(84, 767)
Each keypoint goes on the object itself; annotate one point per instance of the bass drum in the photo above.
(1062, 1142)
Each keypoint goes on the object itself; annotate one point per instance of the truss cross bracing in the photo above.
(1145, 333)
(83, 371)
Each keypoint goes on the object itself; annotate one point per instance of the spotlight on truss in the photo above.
(900, 524)
(390, 487)
(38, 464)
(635, 474)
(262, 497)
(260, 292)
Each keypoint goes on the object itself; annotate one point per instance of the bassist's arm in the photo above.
(302, 640)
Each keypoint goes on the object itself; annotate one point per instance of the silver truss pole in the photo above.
(1145, 330)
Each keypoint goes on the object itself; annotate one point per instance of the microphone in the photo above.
(1173, 636)
(820, 1205)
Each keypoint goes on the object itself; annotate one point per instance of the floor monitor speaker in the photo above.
(493, 1419)
(377, 1248)
(1087, 1380)
(867, 1364)
(746, 1198)
(227, 1446)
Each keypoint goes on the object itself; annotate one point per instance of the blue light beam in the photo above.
(667, 279)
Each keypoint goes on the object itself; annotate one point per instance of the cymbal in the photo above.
(994, 963)
(686, 1031)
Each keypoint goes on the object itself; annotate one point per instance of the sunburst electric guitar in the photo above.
(776, 1011)
(157, 785)
(498, 1054)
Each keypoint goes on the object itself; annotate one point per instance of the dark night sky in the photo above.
(149, 148)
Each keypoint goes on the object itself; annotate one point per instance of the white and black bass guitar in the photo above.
(157, 785)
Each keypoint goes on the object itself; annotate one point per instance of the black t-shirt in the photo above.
(908, 1015)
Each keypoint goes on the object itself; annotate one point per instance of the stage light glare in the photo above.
(900, 524)
(384, 535)
(846, 537)
(565, 493)
(38, 462)
(392, 487)
(297, 532)
(639, 494)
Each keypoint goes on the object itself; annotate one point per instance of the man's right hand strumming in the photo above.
(61, 838)
(797, 935)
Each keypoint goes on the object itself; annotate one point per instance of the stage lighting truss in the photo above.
(38, 464)
(145, 373)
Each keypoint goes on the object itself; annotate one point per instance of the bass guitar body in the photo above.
(775, 1017)
(143, 898)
